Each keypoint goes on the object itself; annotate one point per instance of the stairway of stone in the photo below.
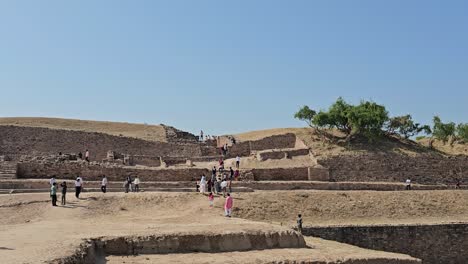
(7, 170)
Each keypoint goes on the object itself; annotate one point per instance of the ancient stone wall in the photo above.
(15, 141)
(281, 153)
(94, 172)
(281, 174)
(389, 166)
(274, 142)
(150, 161)
(434, 244)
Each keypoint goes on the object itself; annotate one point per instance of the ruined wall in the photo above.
(15, 141)
(434, 244)
(94, 172)
(281, 153)
(389, 166)
(289, 174)
(150, 161)
(274, 142)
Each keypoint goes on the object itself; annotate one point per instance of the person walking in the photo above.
(78, 187)
(104, 184)
(87, 156)
(237, 162)
(224, 187)
(64, 192)
(53, 194)
(136, 184)
(228, 205)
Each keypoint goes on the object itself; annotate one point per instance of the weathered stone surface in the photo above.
(94, 171)
(389, 166)
(434, 244)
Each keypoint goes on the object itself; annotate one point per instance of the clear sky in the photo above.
(231, 66)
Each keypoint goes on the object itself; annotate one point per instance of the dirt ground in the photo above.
(32, 230)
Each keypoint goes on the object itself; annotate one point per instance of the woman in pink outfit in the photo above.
(228, 205)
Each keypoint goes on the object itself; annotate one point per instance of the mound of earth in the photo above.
(141, 131)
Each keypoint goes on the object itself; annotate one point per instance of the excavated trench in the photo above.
(95, 250)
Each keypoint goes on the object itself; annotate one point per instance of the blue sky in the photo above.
(231, 66)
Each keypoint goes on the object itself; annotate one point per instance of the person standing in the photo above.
(201, 135)
(78, 187)
(136, 183)
(87, 155)
(53, 194)
(228, 205)
(64, 192)
(231, 174)
(299, 223)
(203, 184)
(408, 184)
(128, 183)
(237, 162)
(104, 184)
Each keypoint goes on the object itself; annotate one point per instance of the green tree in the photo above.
(462, 132)
(367, 119)
(443, 131)
(338, 115)
(305, 114)
(406, 127)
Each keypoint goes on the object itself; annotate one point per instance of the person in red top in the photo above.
(228, 205)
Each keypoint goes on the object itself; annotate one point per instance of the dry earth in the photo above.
(142, 131)
(33, 231)
(322, 252)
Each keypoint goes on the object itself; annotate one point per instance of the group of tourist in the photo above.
(132, 185)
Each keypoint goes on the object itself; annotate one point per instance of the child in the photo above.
(299, 223)
(211, 199)
(53, 194)
(64, 191)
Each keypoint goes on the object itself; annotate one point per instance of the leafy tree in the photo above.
(338, 115)
(305, 114)
(462, 132)
(406, 127)
(367, 119)
(443, 131)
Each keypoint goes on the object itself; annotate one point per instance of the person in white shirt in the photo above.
(136, 183)
(104, 184)
(78, 187)
(87, 155)
(237, 162)
(52, 181)
(408, 184)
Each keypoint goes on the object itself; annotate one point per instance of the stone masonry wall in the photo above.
(42, 141)
(274, 142)
(434, 244)
(94, 172)
(281, 153)
(423, 168)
